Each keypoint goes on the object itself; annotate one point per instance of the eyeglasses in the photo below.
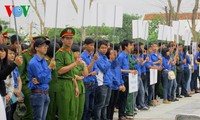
(44, 46)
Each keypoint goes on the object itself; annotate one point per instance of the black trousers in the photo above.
(157, 91)
(193, 83)
(112, 103)
(123, 98)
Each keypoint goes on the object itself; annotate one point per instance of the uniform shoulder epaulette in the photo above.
(61, 49)
(67, 49)
(24, 51)
(47, 58)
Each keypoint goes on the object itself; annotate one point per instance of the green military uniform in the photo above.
(81, 99)
(53, 93)
(66, 97)
(66, 87)
(129, 104)
(27, 56)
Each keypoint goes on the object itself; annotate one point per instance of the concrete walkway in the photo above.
(189, 105)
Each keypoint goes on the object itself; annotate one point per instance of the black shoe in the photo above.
(144, 108)
(187, 95)
(197, 91)
(122, 118)
(171, 100)
(179, 96)
(150, 104)
(176, 99)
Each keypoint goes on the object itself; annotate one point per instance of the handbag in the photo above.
(171, 75)
(20, 111)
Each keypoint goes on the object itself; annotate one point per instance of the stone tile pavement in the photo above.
(189, 105)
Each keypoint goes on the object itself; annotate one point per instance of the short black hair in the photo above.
(88, 41)
(108, 53)
(164, 52)
(24, 46)
(102, 42)
(51, 48)
(111, 45)
(198, 45)
(135, 51)
(180, 44)
(140, 43)
(0, 28)
(116, 47)
(75, 48)
(159, 44)
(11, 49)
(13, 38)
(125, 44)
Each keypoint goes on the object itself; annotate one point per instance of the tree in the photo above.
(126, 31)
(34, 5)
(170, 13)
(104, 32)
(153, 28)
(5, 25)
(193, 19)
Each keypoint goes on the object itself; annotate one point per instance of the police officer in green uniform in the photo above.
(65, 64)
(53, 90)
(80, 72)
(27, 55)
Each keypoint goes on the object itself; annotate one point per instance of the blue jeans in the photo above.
(89, 102)
(141, 93)
(189, 81)
(193, 83)
(174, 87)
(101, 102)
(186, 73)
(39, 103)
(145, 84)
(167, 86)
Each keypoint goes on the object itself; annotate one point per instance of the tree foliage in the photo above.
(5, 25)
(153, 28)
(104, 32)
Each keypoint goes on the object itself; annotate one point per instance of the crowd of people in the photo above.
(90, 84)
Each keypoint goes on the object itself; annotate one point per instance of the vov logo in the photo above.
(17, 11)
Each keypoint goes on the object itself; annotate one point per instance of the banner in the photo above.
(66, 16)
(2, 109)
(170, 36)
(161, 29)
(145, 30)
(137, 29)
(133, 82)
(194, 48)
(153, 76)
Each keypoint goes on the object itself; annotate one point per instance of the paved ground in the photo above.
(168, 112)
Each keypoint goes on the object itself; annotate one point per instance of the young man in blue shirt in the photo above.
(195, 74)
(103, 90)
(185, 73)
(124, 62)
(140, 95)
(149, 65)
(117, 84)
(156, 58)
(39, 74)
(91, 80)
